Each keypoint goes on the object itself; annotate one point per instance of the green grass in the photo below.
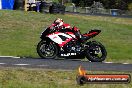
(38, 78)
(20, 32)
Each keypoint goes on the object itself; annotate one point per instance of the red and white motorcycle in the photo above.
(57, 43)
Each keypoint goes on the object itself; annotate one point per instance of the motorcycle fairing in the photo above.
(61, 38)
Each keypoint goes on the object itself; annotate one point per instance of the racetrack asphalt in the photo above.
(66, 64)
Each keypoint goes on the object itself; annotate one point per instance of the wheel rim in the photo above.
(47, 50)
(96, 52)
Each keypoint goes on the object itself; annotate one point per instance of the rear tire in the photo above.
(47, 50)
(96, 52)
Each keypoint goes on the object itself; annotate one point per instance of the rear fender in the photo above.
(92, 42)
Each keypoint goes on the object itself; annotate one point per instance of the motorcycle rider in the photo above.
(60, 25)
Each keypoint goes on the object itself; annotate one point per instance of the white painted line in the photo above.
(42, 65)
(15, 57)
(2, 63)
(113, 62)
(108, 62)
(125, 63)
(21, 64)
(10, 56)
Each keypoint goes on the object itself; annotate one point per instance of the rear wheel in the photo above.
(96, 52)
(47, 50)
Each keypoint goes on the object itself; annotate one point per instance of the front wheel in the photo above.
(96, 52)
(47, 49)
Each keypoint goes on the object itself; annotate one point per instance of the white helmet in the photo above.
(58, 21)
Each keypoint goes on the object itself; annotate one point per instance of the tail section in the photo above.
(92, 33)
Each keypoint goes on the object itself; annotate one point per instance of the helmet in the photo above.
(58, 21)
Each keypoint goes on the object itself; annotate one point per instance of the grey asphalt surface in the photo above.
(63, 64)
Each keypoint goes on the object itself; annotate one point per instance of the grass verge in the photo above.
(40, 78)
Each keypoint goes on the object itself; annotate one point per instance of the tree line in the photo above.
(108, 4)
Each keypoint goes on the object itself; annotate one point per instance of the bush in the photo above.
(68, 4)
(130, 6)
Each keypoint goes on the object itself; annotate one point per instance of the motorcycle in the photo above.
(58, 43)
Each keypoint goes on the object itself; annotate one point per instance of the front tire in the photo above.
(47, 49)
(96, 52)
